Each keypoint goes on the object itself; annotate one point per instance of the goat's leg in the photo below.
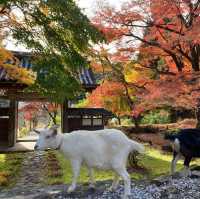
(187, 171)
(76, 165)
(115, 182)
(127, 181)
(91, 178)
(176, 157)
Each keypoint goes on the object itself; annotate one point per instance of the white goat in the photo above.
(102, 149)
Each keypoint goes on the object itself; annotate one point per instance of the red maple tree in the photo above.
(173, 36)
(32, 111)
(120, 79)
(167, 45)
(179, 92)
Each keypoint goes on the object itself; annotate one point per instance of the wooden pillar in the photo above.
(64, 117)
(12, 131)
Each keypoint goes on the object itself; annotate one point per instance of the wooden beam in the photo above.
(12, 85)
(25, 96)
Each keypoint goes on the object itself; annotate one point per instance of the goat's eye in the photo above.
(48, 136)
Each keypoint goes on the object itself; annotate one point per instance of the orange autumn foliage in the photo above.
(141, 26)
(110, 95)
(180, 91)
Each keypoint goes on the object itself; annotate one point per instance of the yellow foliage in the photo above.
(15, 72)
(132, 76)
(131, 72)
(134, 72)
(117, 105)
(4, 175)
(3, 181)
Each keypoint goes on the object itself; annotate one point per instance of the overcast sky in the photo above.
(89, 5)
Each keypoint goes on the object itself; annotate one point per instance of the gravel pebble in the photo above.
(183, 188)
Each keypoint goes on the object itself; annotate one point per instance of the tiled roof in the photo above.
(88, 111)
(85, 75)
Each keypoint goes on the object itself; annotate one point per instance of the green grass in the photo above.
(153, 161)
(10, 165)
(157, 163)
(99, 175)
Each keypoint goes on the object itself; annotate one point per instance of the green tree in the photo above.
(59, 34)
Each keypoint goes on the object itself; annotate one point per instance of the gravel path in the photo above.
(30, 179)
(173, 189)
(30, 186)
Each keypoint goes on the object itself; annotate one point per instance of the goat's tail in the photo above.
(174, 139)
(135, 146)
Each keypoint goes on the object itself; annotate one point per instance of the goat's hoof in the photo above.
(186, 174)
(92, 186)
(70, 189)
(112, 188)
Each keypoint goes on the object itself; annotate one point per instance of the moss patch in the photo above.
(10, 165)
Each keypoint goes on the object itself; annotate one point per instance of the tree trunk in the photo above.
(30, 125)
(198, 115)
(198, 118)
(136, 122)
(178, 61)
(54, 118)
(198, 124)
(195, 54)
(51, 115)
(119, 121)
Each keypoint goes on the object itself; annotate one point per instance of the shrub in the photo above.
(126, 122)
(3, 181)
(156, 117)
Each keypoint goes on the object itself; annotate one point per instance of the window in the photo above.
(87, 120)
(97, 120)
(4, 103)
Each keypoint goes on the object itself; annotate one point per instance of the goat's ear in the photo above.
(55, 132)
(55, 126)
(38, 132)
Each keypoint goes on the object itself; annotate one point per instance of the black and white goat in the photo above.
(186, 143)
